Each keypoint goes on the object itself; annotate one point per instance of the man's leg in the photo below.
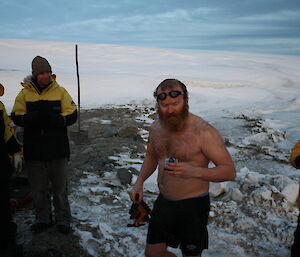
(4, 214)
(295, 251)
(158, 250)
(58, 173)
(39, 182)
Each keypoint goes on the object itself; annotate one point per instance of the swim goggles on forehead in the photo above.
(173, 94)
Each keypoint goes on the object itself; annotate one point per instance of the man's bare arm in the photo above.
(214, 149)
(148, 167)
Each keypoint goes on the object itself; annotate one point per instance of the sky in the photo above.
(260, 26)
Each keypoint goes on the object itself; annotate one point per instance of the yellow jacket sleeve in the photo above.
(67, 104)
(8, 132)
(68, 108)
(294, 154)
(20, 104)
(9, 139)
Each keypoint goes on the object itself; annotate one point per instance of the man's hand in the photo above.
(56, 119)
(18, 162)
(136, 195)
(182, 169)
(31, 119)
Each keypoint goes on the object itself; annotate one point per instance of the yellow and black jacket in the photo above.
(45, 116)
(295, 161)
(8, 144)
(295, 155)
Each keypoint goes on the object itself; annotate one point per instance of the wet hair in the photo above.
(169, 84)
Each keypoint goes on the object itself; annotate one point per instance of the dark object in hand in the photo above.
(56, 120)
(140, 212)
(31, 118)
(168, 161)
(297, 162)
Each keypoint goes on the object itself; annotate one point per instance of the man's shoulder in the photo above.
(201, 125)
(155, 125)
(198, 122)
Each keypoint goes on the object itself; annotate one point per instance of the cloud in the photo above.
(282, 15)
(169, 23)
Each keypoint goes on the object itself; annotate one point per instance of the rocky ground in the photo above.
(104, 133)
(251, 216)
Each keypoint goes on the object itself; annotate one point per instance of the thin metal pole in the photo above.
(78, 83)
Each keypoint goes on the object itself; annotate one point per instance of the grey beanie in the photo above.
(40, 65)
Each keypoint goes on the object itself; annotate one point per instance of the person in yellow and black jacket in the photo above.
(295, 161)
(45, 109)
(8, 146)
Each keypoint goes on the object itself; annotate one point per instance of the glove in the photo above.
(140, 213)
(297, 162)
(48, 116)
(56, 119)
(31, 118)
(295, 154)
(18, 162)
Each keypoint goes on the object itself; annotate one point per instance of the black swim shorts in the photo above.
(180, 223)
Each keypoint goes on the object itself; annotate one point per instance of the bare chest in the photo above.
(183, 147)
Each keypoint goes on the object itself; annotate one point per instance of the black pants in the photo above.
(295, 251)
(7, 233)
(180, 223)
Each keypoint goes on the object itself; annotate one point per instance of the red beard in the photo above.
(175, 121)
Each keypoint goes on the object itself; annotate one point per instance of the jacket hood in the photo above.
(28, 82)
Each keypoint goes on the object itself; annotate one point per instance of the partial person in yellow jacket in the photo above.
(295, 161)
(8, 147)
(45, 109)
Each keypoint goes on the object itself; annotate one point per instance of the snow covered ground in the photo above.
(252, 216)
(254, 100)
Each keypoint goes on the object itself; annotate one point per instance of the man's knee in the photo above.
(155, 250)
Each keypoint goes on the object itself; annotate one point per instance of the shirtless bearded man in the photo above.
(180, 213)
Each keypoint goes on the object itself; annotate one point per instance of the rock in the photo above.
(134, 171)
(81, 137)
(125, 176)
(242, 225)
(278, 136)
(128, 131)
(257, 139)
(236, 195)
(288, 187)
(244, 169)
(212, 214)
(98, 190)
(227, 142)
(152, 116)
(252, 178)
(290, 192)
(87, 150)
(216, 189)
(110, 133)
(262, 193)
